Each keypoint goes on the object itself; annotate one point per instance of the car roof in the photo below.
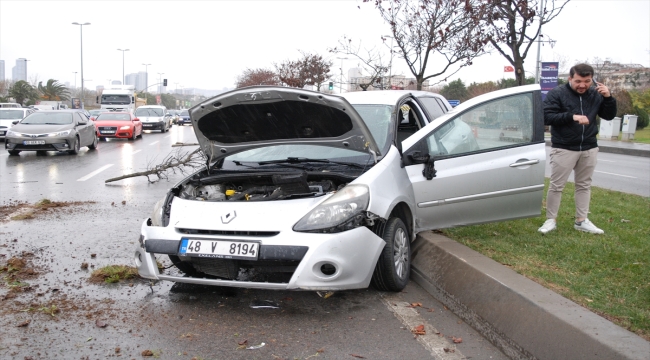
(385, 96)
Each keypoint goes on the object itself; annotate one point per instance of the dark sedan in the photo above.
(184, 118)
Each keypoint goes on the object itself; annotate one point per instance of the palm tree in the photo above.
(22, 90)
(53, 90)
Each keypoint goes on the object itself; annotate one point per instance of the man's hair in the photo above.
(583, 70)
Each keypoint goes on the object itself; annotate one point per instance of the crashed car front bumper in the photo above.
(337, 261)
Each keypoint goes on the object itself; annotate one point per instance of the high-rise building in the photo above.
(19, 72)
(138, 80)
(2, 70)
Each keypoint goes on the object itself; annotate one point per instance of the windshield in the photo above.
(11, 114)
(50, 118)
(113, 116)
(282, 152)
(95, 112)
(185, 113)
(109, 99)
(148, 112)
(378, 120)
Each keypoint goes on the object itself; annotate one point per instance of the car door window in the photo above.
(499, 123)
(432, 106)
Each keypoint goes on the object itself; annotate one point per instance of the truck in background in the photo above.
(120, 98)
(50, 105)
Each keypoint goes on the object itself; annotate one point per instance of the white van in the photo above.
(10, 105)
(154, 117)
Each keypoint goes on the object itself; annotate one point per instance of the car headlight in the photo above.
(156, 215)
(343, 211)
(60, 133)
(125, 128)
(13, 134)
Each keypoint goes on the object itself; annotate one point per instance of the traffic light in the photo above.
(164, 82)
(331, 85)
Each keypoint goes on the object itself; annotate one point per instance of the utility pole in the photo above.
(341, 82)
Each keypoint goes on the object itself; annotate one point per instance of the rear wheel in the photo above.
(95, 143)
(14, 152)
(394, 265)
(75, 147)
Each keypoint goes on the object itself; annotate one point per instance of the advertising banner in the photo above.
(548, 78)
(76, 103)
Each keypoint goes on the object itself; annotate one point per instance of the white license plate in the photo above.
(107, 132)
(34, 142)
(219, 249)
(2, 132)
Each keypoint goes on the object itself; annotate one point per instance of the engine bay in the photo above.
(259, 187)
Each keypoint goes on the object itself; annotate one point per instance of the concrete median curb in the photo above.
(524, 319)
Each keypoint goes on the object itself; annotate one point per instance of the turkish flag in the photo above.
(508, 69)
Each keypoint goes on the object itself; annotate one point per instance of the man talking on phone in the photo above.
(571, 111)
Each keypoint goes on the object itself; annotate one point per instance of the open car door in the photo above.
(482, 162)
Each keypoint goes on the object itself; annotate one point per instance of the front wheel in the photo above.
(394, 265)
(75, 147)
(14, 152)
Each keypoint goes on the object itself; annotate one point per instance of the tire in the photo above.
(76, 147)
(133, 136)
(183, 266)
(101, 138)
(141, 132)
(394, 265)
(14, 152)
(95, 143)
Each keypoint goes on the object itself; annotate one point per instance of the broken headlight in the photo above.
(343, 211)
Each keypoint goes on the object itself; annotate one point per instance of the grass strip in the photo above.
(608, 274)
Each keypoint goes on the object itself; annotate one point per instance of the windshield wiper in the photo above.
(297, 160)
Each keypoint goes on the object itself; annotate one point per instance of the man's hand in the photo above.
(602, 89)
(581, 119)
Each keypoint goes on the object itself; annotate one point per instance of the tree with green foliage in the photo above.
(455, 90)
(53, 91)
(22, 91)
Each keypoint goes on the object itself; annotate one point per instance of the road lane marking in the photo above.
(608, 173)
(95, 172)
(431, 340)
(135, 152)
(154, 143)
(167, 136)
(599, 160)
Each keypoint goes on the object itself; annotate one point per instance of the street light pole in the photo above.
(341, 82)
(390, 65)
(146, 76)
(81, 31)
(123, 64)
(75, 79)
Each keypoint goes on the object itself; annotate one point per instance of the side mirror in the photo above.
(15, 122)
(82, 123)
(136, 119)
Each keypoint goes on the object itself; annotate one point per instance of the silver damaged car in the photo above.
(309, 191)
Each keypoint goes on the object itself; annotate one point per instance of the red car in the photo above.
(121, 125)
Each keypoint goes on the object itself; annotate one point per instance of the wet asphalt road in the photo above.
(176, 321)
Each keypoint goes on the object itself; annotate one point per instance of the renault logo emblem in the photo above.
(226, 218)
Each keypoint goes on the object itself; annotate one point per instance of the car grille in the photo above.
(242, 270)
(107, 130)
(227, 233)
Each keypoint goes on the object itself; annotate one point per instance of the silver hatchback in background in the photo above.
(10, 115)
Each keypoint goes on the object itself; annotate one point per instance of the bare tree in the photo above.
(371, 62)
(514, 25)
(252, 77)
(315, 69)
(177, 161)
(290, 73)
(444, 33)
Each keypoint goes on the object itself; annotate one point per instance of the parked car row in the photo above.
(27, 129)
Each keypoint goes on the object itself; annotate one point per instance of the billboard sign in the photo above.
(548, 78)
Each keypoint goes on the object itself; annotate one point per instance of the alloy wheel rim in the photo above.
(400, 252)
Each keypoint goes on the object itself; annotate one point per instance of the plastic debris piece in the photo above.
(263, 304)
(253, 347)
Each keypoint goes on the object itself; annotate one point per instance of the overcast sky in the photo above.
(207, 44)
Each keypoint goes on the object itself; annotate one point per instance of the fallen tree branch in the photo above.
(171, 162)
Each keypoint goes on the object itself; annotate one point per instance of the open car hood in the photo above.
(260, 116)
